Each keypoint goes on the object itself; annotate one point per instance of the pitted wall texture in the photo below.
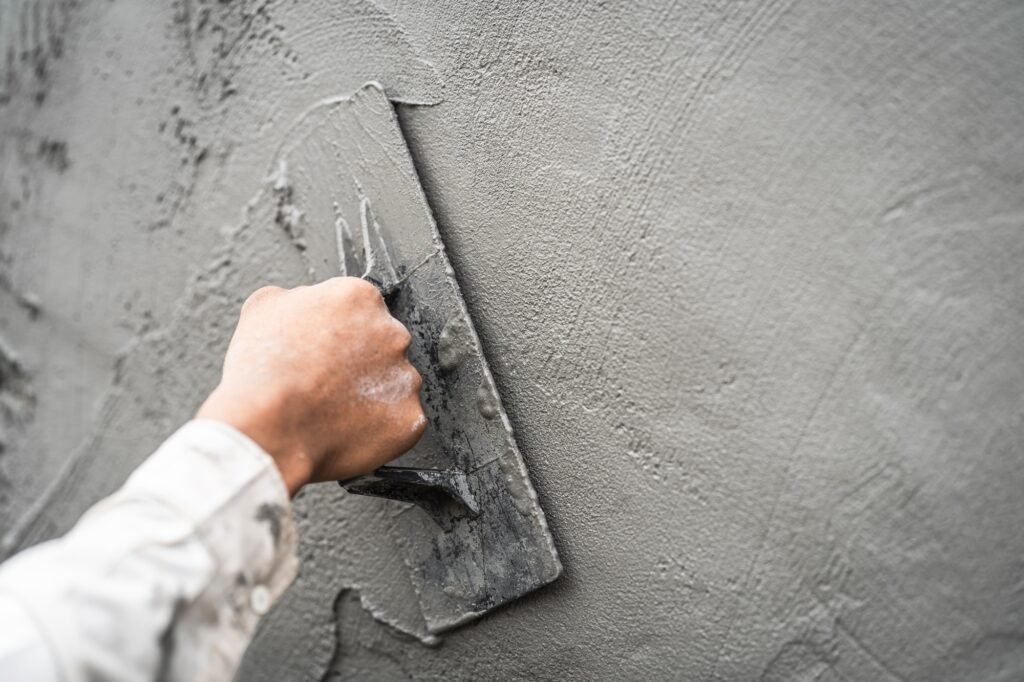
(748, 275)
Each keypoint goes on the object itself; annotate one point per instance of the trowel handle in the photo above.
(442, 493)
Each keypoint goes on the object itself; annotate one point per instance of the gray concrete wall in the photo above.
(750, 276)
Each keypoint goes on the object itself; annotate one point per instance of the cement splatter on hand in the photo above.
(390, 388)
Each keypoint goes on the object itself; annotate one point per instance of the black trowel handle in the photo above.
(441, 493)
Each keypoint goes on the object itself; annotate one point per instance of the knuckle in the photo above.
(364, 285)
(360, 286)
(362, 292)
(416, 379)
(346, 285)
(350, 293)
(402, 336)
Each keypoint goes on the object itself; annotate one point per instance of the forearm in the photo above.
(167, 578)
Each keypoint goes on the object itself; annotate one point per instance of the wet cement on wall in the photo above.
(748, 276)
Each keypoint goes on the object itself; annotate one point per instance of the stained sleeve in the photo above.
(166, 579)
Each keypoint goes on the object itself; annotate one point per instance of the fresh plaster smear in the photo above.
(747, 274)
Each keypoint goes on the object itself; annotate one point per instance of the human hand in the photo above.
(317, 376)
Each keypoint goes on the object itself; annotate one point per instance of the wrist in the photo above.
(261, 420)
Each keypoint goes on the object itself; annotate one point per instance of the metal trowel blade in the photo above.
(356, 168)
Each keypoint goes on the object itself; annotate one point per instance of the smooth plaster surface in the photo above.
(748, 275)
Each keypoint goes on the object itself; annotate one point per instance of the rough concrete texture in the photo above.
(748, 275)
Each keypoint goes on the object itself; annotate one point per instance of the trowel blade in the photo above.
(355, 163)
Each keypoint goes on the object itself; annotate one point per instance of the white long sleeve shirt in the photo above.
(165, 579)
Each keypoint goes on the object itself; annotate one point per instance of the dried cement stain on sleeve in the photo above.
(271, 515)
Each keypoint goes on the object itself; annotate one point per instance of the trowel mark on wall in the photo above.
(663, 466)
(227, 45)
(994, 657)
(387, 54)
(220, 37)
(837, 634)
(217, 34)
(22, 156)
(288, 216)
(54, 154)
(799, 660)
(31, 39)
(17, 402)
(186, 139)
(16, 398)
(212, 297)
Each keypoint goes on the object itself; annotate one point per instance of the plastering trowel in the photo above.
(466, 515)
